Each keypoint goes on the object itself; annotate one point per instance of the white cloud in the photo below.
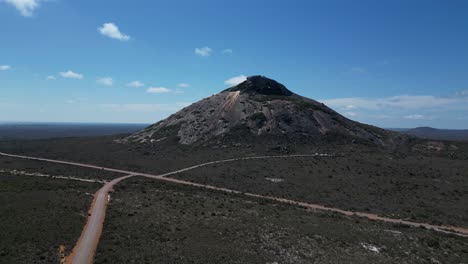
(132, 107)
(227, 51)
(5, 67)
(135, 84)
(184, 85)
(51, 78)
(25, 7)
(235, 80)
(462, 93)
(378, 116)
(147, 108)
(71, 75)
(351, 114)
(403, 110)
(416, 117)
(398, 102)
(359, 70)
(157, 90)
(107, 81)
(203, 52)
(183, 104)
(383, 63)
(112, 31)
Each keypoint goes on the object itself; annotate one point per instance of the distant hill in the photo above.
(58, 130)
(440, 134)
(256, 109)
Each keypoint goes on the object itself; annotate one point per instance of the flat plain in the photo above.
(39, 214)
(154, 222)
(150, 221)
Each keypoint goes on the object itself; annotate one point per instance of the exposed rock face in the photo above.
(261, 85)
(261, 106)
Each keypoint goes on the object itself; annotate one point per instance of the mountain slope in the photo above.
(259, 106)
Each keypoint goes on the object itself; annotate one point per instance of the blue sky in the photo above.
(388, 63)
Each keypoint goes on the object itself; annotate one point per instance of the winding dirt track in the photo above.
(88, 241)
(87, 244)
(68, 178)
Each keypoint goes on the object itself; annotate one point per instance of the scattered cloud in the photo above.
(135, 84)
(398, 102)
(235, 80)
(184, 85)
(51, 78)
(5, 67)
(462, 93)
(359, 70)
(378, 116)
(71, 75)
(403, 110)
(416, 117)
(157, 90)
(382, 63)
(107, 81)
(183, 104)
(112, 31)
(203, 52)
(351, 114)
(25, 7)
(227, 51)
(178, 91)
(148, 108)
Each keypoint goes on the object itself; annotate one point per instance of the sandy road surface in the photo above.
(88, 241)
(87, 244)
(23, 173)
(161, 175)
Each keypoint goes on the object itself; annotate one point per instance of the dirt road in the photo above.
(87, 244)
(88, 241)
(69, 178)
(161, 175)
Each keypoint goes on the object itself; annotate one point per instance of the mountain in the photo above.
(438, 134)
(256, 108)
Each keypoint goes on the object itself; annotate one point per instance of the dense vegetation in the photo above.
(37, 215)
(154, 222)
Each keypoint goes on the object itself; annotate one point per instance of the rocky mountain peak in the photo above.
(258, 107)
(261, 85)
